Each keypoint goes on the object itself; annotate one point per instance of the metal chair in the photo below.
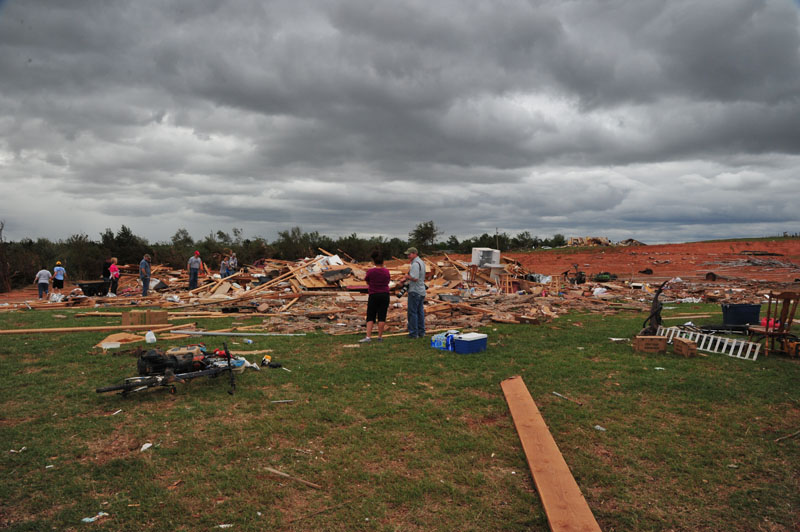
(781, 309)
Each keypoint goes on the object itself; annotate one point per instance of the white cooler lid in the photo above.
(471, 336)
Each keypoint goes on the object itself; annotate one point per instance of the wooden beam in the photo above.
(566, 509)
(152, 327)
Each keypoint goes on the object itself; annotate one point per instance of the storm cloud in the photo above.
(661, 121)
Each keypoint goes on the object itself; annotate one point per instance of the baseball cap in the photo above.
(412, 250)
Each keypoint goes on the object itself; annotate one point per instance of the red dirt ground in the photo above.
(688, 261)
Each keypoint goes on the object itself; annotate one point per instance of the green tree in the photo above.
(523, 240)
(452, 243)
(558, 240)
(224, 238)
(424, 235)
(182, 239)
(128, 247)
(107, 239)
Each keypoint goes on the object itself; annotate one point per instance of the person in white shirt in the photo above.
(42, 281)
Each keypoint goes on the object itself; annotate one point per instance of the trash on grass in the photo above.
(95, 518)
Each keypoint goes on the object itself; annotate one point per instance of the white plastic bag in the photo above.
(150, 337)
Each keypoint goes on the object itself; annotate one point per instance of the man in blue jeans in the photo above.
(195, 264)
(416, 294)
(144, 274)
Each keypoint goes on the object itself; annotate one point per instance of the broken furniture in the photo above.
(777, 325)
(712, 343)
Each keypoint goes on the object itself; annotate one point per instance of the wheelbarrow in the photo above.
(94, 288)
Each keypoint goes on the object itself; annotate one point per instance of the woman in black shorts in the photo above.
(378, 303)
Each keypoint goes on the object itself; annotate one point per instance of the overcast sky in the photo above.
(663, 121)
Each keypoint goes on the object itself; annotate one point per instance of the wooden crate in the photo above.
(145, 317)
(684, 347)
(650, 344)
(792, 348)
(134, 317)
(157, 317)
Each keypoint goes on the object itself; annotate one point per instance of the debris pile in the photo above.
(588, 241)
(329, 294)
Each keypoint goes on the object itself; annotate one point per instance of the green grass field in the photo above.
(400, 436)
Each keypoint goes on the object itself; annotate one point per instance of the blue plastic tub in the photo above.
(740, 314)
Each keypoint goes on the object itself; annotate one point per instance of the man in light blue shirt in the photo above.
(416, 294)
(59, 274)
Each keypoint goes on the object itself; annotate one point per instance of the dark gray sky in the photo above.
(658, 120)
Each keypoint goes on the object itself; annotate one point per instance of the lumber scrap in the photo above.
(98, 314)
(564, 504)
(98, 328)
(222, 288)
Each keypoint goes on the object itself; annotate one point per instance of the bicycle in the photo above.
(213, 366)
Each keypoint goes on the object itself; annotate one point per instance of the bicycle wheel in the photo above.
(132, 384)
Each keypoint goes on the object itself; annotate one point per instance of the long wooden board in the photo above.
(154, 328)
(567, 510)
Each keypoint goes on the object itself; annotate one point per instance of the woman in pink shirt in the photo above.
(378, 303)
(113, 270)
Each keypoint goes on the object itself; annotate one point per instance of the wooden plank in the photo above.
(88, 329)
(686, 317)
(222, 288)
(566, 508)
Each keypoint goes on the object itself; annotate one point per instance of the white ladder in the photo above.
(714, 344)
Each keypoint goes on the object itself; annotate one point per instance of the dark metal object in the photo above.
(94, 288)
(653, 321)
(578, 278)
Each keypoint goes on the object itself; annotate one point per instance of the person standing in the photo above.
(416, 294)
(42, 281)
(194, 265)
(223, 267)
(378, 301)
(113, 271)
(106, 266)
(59, 274)
(233, 264)
(144, 274)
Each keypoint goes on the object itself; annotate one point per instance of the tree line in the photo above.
(83, 257)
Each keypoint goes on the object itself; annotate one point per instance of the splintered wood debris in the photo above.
(329, 294)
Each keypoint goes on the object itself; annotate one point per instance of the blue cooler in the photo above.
(466, 343)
